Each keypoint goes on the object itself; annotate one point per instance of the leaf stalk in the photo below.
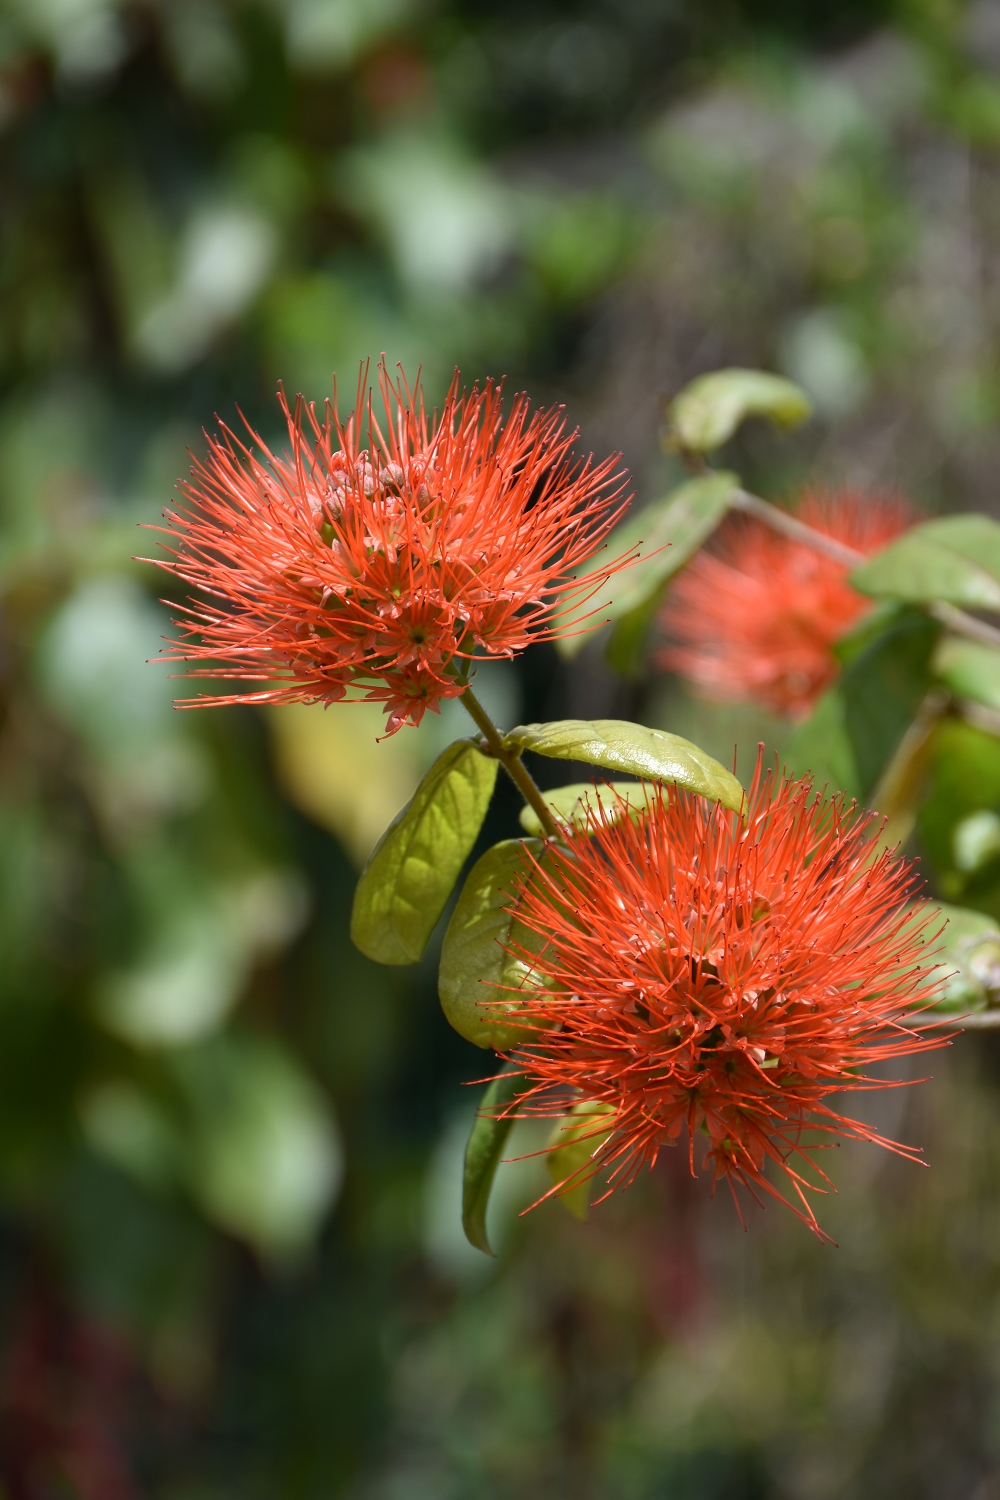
(956, 620)
(511, 762)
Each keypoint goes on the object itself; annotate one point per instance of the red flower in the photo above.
(337, 564)
(707, 973)
(758, 618)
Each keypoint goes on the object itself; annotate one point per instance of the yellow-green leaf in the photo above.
(475, 963)
(482, 1154)
(413, 867)
(665, 534)
(955, 559)
(572, 1145)
(571, 804)
(709, 410)
(635, 750)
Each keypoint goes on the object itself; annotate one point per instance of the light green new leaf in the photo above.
(966, 954)
(955, 559)
(571, 804)
(665, 535)
(482, 1154)
(413, 867)
(572, 1145)
(969, 670)
(709, 410)
(632, 748)
(475, 965)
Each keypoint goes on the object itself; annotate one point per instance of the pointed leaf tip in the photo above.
(405, 885)
(483, 1152)
(635, 750)
(666, 535)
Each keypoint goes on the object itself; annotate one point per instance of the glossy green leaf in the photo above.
(955, 559)
(475, 965)
(484, 1150)
(570, 804)
(619, 745)
(709, 410)
(665, 534)
(412, 871)
(966, 955)
(969, 669)
(572, 1145)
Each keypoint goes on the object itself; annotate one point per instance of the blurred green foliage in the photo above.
(231, 1260)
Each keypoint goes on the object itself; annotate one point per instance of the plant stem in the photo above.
(511, 762)
(949, 615)
(960, 623)
(798, 531)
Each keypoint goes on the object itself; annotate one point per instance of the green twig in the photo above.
(511, 762)
(955, 619)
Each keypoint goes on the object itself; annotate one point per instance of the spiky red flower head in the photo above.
(385, 556)
(756, 617)
(709, 973)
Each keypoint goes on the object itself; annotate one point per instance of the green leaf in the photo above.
(965, 783)
(412, 870)
(652, 754)
(485, 1147)
(969, 670)
(666, 534)
(967, 956)
(570, 804)
(625, 652)
(883, 689)
(955, 559)
(975, 842)
(821, 747)
(474, 964)
(709, 410)
(878, 619)
(572, 1145)
(857, 727)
